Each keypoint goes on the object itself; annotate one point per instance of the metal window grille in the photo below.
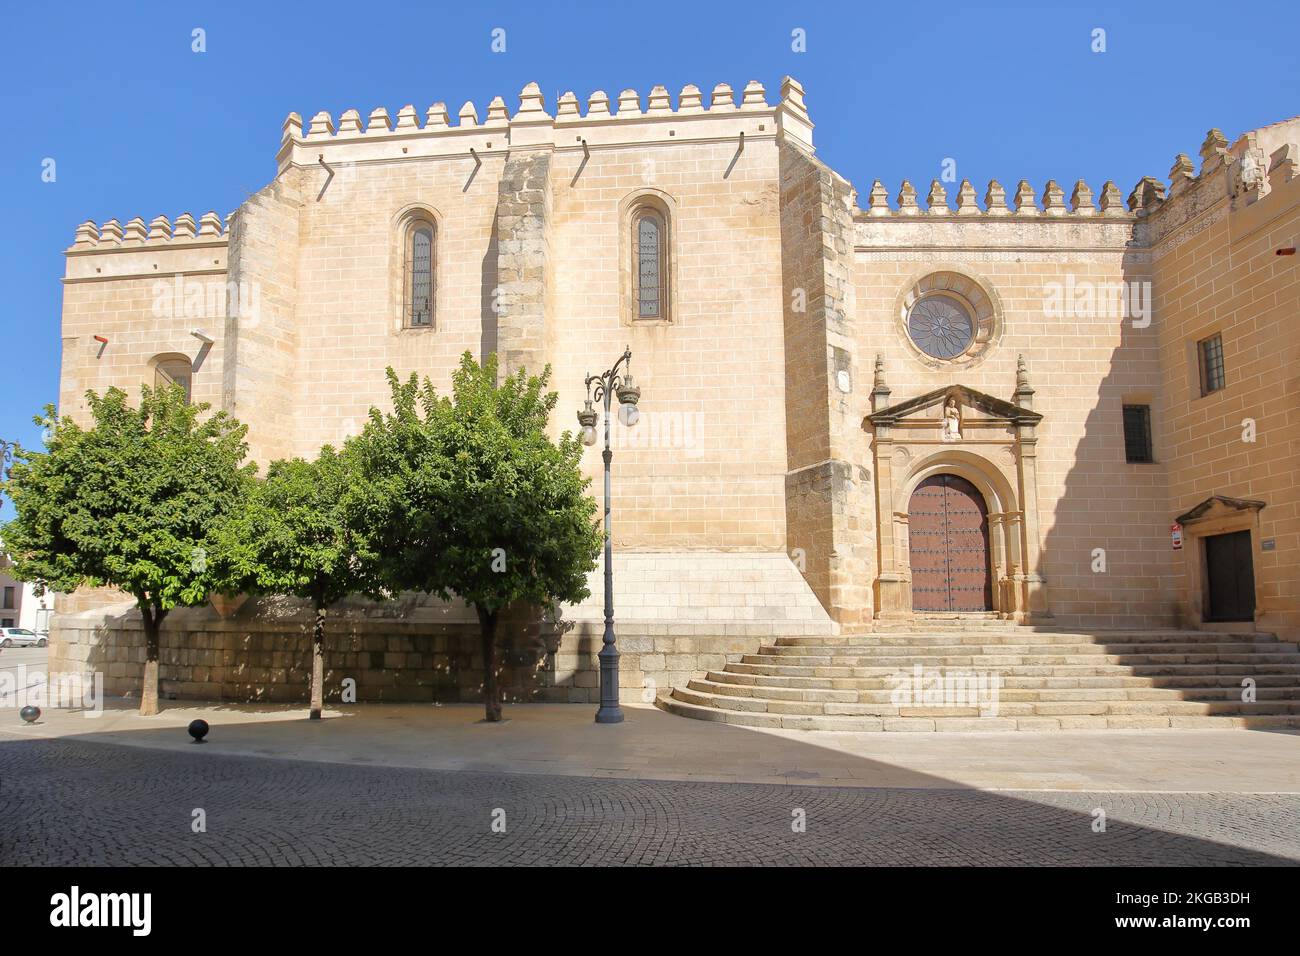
(421, 310)
(1137, 434)
(1212, 375)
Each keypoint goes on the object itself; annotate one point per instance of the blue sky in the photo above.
(139, 125)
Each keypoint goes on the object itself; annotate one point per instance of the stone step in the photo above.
(977, 724)
(1232, 682)
(1028, 636)
(1003, 709)
(1029, 670)
(924, 652)
(717, 683)
(987, 661)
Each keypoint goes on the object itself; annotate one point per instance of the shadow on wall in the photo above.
(1111, 514)
(414, 648)
(488, 304)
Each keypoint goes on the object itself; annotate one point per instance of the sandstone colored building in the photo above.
(1011, 403)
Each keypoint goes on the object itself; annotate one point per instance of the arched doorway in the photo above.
(948, 537)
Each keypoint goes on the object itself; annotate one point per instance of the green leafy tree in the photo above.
(128, 502)
(471, 498)
(293, 536)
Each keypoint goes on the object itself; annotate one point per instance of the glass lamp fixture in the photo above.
(628, 396)
(587, 419)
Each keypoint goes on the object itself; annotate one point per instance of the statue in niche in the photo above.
(951, 419)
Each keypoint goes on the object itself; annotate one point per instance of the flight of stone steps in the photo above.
(1046, 679)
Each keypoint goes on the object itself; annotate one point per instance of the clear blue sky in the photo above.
(139, 125)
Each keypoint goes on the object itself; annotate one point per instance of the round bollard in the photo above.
(198, 730)
(30, 714)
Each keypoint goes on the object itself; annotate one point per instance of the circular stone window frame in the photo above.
(973, 293)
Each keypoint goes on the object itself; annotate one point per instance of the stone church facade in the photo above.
(1073, 411)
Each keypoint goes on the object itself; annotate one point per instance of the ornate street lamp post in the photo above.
(600, 388)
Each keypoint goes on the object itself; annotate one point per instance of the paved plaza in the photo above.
(75, 802)
(423, 784)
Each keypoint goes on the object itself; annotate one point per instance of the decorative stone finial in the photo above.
(629, 103)
(1181, 174)
(1081, 200)
(497, 112)
(967, 204)
(907, 200)
(722, 98)
(531, 100)
(1112, 204)
(136, 232)
(349, 123)
(160, 228)
(792, 93)
(209, 225)
(878, 200)
(598, 104)
(936, 200)
(322, 124)
(1212, 150)
(1282, 165)
(754, 96)
(292, 128)
(567, 105)
(1025, 203)
(87, 234)
(185, 227)
(379, 122)
(995, 199)
(689, 100)
(659, 101)
(1024, 392)
(435, 117)
(879, 391)
(1053, 199)
(468, 115)
(111, 232)
(408, 121)
(1146, 195)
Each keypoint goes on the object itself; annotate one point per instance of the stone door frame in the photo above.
(1216, 515)
(997, 454)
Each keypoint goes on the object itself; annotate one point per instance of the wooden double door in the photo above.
(948, 534)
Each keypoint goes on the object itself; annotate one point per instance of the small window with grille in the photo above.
(1210, 356)
(1137, 434)
(419, 271)
(651, 266)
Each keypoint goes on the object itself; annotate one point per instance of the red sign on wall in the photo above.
(1176, 536)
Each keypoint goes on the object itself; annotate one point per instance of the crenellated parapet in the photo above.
(210, 227)
(1232, 178)
(158, 247)
(629, 118)
(1023, 205)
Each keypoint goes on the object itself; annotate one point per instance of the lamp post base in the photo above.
(610, 712)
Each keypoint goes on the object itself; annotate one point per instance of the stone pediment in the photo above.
(1217, 506)
(974, 405)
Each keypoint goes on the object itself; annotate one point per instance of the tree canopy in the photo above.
(129, 501)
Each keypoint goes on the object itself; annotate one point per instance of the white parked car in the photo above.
(20, 637)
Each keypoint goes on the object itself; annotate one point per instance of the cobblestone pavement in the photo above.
(71, 802)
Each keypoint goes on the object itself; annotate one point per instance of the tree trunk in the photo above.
(149, 682)
(318, 663)
(491, 692)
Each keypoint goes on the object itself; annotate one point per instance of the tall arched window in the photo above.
(650, 263)
(419, 283)
(174, 370)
